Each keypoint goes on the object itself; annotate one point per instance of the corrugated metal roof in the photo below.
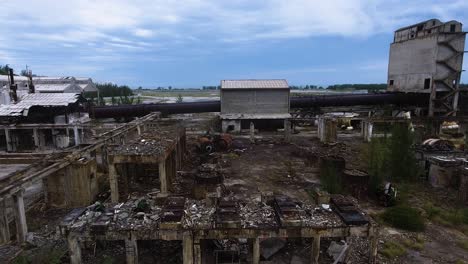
(254, 84)
(38, 99)
(48, 87)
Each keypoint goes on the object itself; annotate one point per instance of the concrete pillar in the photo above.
(36, 138)
(287, 130)
(20, 216)
(367, 130)
(138, 130)
(197, 254)
(114, 183)
(9, 143)
(76, 134)
(74, 249)
(315, 250)
(373, 243)
(163, 176)
(131, 250)
(252, 132)
(327, 130)
(256, 251)
(4, 228)
(187, 247)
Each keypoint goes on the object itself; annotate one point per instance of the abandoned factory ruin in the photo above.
(261, 175)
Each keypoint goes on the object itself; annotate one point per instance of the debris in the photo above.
(337, 250)
(271, 246)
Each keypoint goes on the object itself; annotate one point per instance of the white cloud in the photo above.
(144, 33)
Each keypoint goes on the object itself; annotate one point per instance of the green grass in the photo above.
(463, 244)
(415, 245)
(404, 217)
(456, 218)
(393, 250)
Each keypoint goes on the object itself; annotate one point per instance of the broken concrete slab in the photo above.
(271, 246)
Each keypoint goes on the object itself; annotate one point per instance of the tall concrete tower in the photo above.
(427, 58)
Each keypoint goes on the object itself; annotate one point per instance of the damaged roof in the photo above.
(255, 84)
(38, 99)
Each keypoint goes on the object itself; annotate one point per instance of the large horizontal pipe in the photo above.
(296, 102)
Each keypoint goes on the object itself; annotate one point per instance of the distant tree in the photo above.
(4, 69)
(170, 87)
(111, 90)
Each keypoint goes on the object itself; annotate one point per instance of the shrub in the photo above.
(404, 217)
(393, 250)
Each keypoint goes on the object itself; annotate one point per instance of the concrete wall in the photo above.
(410, 63)
(253, 101)
(74, 186)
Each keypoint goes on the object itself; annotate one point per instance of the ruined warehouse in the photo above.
(263, 175)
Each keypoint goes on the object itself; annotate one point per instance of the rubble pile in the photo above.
(141, 147)
(319, 216)
(257, 215)
(136, 214)
(198, 214)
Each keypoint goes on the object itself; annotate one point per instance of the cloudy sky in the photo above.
(189, 43)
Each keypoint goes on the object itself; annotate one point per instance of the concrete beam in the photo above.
(4, 228)
(20, 216)
(74, 249)
(187, 247)
(131, 250)
(256, 251)
(315, 250)
(114, 183)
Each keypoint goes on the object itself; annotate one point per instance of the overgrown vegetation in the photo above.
(457, 218)
(404, 217)
(393, 250)
(330, 177)
(392, 158)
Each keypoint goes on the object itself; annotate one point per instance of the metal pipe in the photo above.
(296, 102)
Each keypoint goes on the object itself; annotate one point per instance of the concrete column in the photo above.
(187, 245)
(76, 134)
(315, 250)
(327, 130)
(114, 184)
(373, 243)
(252, 132)
(197, 254)
(138, 130)
(36, 138)
(20, 216)
(131, 250)
(4, 228)
(163, 176)
(74, 249)
(287, 130)
(367, 130)
(256, 251)
(9, 144)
